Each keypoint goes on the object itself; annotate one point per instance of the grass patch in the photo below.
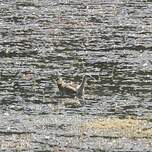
(116, 127)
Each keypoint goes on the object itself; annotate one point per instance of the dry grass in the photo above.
(115, 127)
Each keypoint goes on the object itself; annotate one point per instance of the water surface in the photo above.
(111, 40)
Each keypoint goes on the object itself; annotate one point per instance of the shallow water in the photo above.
(111, 40)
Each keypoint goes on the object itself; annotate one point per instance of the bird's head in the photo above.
(88, 76)
(56, 77)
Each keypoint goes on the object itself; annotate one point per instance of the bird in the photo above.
(72, 89)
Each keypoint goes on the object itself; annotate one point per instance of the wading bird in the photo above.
(72, 89)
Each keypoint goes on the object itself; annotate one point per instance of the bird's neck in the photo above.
(83, 82)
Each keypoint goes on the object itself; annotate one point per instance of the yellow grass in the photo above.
(115, 127)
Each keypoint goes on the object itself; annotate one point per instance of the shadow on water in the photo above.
(110, 40)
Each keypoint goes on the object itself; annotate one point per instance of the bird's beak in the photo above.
(92, 77)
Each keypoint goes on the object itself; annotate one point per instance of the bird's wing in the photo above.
(70, 89)
(73, 85)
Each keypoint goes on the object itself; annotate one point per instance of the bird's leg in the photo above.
(83, 99)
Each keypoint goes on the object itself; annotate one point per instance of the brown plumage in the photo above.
(65, 88)
(72, 89)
